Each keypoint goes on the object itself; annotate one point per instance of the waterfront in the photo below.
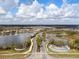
(21, 33)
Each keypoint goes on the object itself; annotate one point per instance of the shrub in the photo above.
(39, 41)
(28, 43)
(57, 43)
(76, 44)
(51, 42)
(44, 35)
(71, 33)
(71, 43)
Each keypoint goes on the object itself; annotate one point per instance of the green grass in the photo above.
(7, 51)
(71, 53)
(12, 54)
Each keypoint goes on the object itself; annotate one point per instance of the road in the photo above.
(42, 54)
(32, 56)
(39, 55)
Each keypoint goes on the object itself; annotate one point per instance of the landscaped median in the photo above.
(19, 55)
(70, 53)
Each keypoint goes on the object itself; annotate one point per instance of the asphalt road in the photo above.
(42, 54)
(32, 56)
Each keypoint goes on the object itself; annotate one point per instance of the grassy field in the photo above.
(11, 54)
(71, 53)
(10, 51)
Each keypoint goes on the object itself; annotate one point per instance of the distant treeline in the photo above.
(57, 26)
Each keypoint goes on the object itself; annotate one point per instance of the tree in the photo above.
(76, 44)
(71, 43)
(51, 42)
(59, 43)
(39, 41)
(27, 43)
(71, 33)
(44, 35)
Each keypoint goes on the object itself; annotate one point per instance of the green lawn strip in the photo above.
(7, 51)
(10, 51)
(71, 53)
(17, 54)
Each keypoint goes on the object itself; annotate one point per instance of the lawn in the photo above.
(12, 54)
(70, 53)
(10, 51)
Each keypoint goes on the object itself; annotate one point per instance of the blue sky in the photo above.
(58, 3)
(40, 9)
(46, 2)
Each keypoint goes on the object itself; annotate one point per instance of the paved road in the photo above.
(33, 51)
(39, 55)
(42, 54)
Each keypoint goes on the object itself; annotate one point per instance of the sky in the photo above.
(58, 3)
(39, 9)
(46, 2)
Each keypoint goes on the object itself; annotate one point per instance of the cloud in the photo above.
(72, 10)
(9, 15)
(2, 11)
(41, 14)
(5, 6)
(52, 10)
(37, 10)
(29, 10)
(8, 4)
(5, 14)
(16, 1)
(51, 14)
(69, 10)
(37, 13)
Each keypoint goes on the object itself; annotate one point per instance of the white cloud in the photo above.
(69, 10)
(2, 11)
(5, 14)
(72, 10)
(36, 10)
(5, 6)
(52, 10)
(16, 1)
(41, 14)
(52, 7)
(29, 10)
(9, 15)
(8, 4)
